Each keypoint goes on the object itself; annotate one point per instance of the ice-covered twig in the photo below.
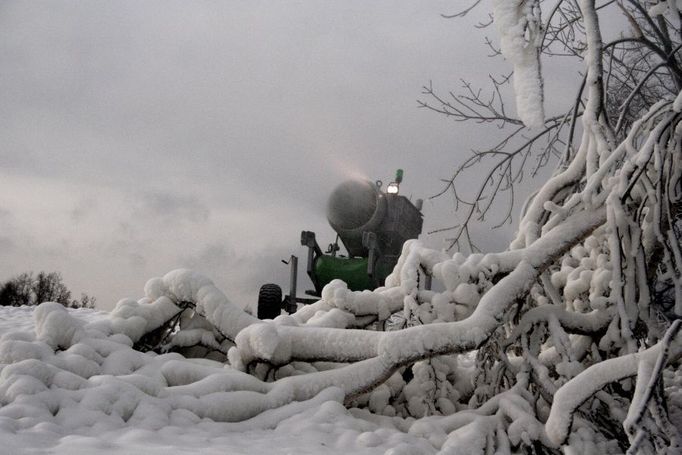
(648, 377)
(576, 391)
(573, 322)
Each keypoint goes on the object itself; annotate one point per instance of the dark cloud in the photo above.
(240, 276)
(170, 207)
(211, 257)
(7, 244)
(10, 237)
(137, 261)
(83, 208)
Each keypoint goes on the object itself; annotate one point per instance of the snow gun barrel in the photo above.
(358, 207)
(354, 207)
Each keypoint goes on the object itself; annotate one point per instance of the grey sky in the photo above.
(138, 137)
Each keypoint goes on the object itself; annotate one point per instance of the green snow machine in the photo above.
(372, 224)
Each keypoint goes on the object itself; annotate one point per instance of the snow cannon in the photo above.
(354, 207)
(357, 208)
(371, 223)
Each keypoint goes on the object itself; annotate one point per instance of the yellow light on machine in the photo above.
(394, 187)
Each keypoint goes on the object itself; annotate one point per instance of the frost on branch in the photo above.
(520, 29)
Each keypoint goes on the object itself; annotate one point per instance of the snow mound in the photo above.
(72, 382)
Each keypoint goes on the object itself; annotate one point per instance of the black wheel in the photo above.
(269, 301)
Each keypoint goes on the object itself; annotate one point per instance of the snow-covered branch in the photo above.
(569, 397)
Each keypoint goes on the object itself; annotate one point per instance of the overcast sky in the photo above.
(139, 137)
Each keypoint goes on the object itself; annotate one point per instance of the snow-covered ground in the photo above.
(48, 407)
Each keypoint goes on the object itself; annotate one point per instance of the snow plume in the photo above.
(520, 28)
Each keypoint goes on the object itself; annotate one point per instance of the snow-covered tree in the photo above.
(569, 340)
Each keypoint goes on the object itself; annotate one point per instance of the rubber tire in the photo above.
(269, 301)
